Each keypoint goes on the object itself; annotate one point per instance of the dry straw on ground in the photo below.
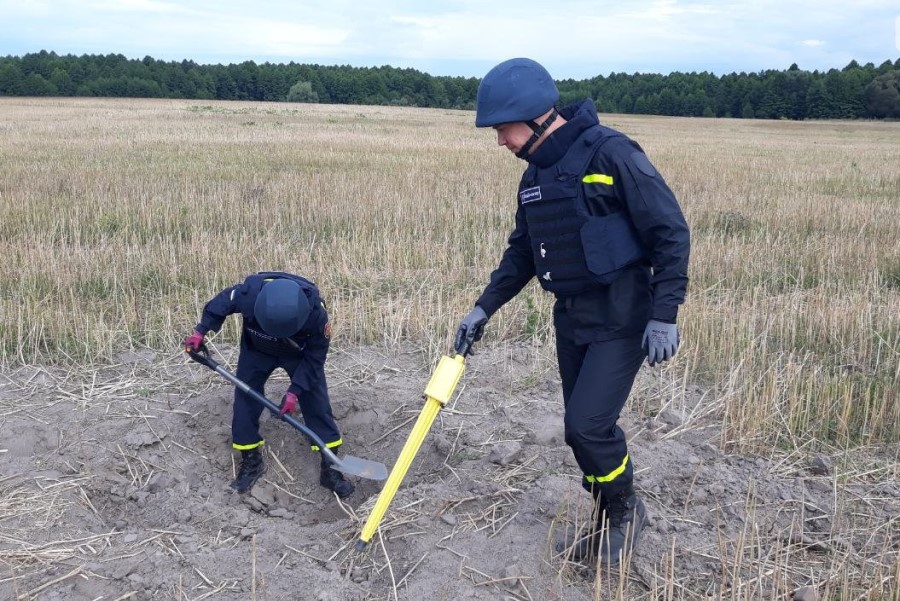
(119, 218)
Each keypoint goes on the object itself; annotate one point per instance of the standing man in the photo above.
(285, 325)
(600, 229)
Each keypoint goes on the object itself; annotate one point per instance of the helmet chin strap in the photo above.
(538, 132)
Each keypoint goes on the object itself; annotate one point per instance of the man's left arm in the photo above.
(310, 373)
(659, 224)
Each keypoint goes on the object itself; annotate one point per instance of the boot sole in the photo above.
(253, 482)
(345, 495)
(340, 496)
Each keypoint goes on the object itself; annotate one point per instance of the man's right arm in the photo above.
(516, 269)
(216, 310)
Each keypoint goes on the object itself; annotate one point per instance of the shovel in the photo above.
(354, 466)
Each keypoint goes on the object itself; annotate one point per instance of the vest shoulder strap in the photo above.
(271, 275)
(249, 290)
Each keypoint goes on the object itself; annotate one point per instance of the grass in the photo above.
(119, 218)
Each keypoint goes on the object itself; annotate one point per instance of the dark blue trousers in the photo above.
(254, 368)
(597, 377)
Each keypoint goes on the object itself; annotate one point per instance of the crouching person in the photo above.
(285, 324)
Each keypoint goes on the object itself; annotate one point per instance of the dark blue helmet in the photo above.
(515, 90)
(281, 308)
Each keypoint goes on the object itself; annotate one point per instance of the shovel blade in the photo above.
(363, 468)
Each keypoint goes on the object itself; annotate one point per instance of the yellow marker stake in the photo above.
(438, 392)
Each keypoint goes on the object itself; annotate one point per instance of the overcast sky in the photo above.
(573, 39)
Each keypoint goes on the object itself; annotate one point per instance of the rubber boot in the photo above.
(334, 480)
(252, 467)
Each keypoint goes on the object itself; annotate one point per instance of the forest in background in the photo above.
(853, 92)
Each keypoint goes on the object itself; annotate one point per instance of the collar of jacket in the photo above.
(579, 116)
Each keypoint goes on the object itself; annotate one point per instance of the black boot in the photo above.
(616, 524)
(252, 467)
(334, 480)
(627, 518)
(581, 546)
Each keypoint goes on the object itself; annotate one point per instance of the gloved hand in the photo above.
(661, 341)
(288, 403)
(193, 342)
(471, 329)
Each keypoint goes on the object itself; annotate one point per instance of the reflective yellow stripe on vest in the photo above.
(598, 178)
(610, 476)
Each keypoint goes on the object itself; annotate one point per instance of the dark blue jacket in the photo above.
(310, 343)
(625, 182)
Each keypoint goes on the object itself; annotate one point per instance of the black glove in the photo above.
(471, 329)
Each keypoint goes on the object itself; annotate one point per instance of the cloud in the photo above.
(576, 39)
(144, 6)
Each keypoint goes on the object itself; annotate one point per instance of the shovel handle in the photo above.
(466, 349)
(202, 357)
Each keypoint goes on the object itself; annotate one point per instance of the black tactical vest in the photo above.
(574, 251)
(245, 299)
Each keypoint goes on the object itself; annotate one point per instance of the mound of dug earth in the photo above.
(114, 485)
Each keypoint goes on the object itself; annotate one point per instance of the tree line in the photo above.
(855, 91)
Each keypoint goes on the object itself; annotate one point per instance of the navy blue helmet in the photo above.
(281, 308)
(518, 89)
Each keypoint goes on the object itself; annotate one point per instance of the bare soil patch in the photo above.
(114, 485)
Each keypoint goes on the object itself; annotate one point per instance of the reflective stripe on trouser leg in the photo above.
(597, 378)
(591, 479)
(253, 368)
(330, 445)
(247, 447)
